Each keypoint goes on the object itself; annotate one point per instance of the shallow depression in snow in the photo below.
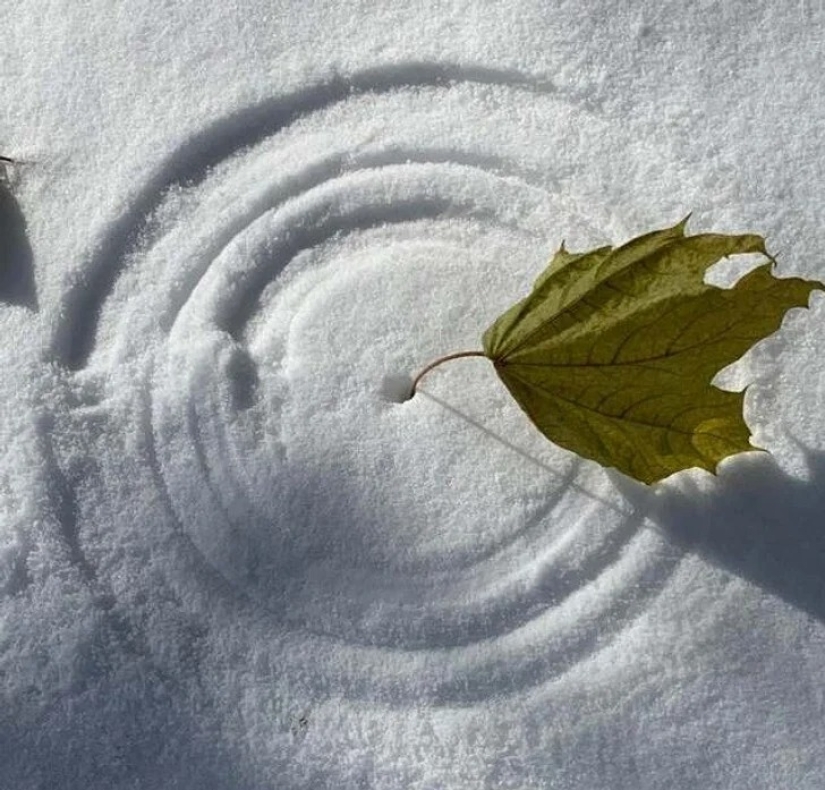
(268, 290)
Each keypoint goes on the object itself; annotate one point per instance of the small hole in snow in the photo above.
(397, 388)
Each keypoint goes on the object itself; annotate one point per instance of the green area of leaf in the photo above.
(613, 353)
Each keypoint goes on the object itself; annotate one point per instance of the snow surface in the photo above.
(230, 558)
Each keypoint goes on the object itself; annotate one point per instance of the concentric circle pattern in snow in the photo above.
(237, 328)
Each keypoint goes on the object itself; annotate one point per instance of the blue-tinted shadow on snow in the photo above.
(756, 522)
(99, 711)
(128, 728)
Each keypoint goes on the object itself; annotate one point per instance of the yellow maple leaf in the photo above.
(612, 354)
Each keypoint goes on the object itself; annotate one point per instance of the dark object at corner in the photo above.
(17, 284)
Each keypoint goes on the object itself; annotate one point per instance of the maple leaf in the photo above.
(613, 353)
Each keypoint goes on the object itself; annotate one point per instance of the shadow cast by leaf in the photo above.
(756, 522)
(542, 465)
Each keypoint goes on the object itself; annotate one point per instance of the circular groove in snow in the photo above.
(268, 280)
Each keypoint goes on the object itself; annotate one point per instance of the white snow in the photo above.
(231, 555)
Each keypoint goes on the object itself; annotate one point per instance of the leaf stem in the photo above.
(435, 363)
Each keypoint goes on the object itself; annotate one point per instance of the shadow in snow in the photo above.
(128, 729)
(92, 706)
(558, 473)
(17, 284)
(756, 522)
